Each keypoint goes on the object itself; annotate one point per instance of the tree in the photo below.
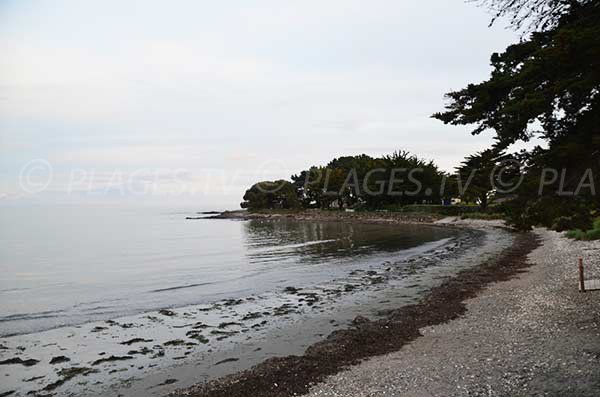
(547, 86)
(485, 175)
(355, 181)
(552, 80)
(271, 195)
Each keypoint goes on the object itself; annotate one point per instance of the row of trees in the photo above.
(399, 178)
(393, 180)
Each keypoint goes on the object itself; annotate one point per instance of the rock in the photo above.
(252, 316)
(135, 340)
(167, 382)
(98, 329)
(168, 313)
(59, 359)
(18, 360)
(225, 325)
(111, 358)
(175, 342)
(144, 350)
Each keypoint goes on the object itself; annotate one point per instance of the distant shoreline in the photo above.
(378, 217)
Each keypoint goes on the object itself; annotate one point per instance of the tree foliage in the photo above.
(551, 80)
(547, 86)
(270, 195)
(485, 175)
(357, 181)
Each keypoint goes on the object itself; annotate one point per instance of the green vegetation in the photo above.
(278, 194)
(360, 182)
(591, 234)
(547, 86)
(477, 178)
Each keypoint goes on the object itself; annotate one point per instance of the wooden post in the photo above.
(581, 282)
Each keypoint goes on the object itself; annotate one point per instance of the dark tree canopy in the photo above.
(357, 181)
(486, 174)
(548, 86)
(271, 195)
(551, 80)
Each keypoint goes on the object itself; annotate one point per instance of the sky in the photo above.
(190, 102)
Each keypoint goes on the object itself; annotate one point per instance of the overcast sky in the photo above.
(190, 101)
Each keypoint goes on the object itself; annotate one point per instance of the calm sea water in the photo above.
(64, 266)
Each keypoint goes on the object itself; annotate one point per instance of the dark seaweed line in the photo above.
(294, 375)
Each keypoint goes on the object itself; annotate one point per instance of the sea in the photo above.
(69, 265)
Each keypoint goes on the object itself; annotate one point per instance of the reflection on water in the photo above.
(315, 242)
(65, 266)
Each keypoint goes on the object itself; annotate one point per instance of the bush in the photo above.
(551, 212)
(563, 223)
(592, 234)
(576, 234)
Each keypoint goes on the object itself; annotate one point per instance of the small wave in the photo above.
(31, 316)
(180, 287)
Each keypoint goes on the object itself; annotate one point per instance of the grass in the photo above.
(592, 234)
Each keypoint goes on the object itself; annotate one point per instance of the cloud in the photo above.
(257, 90)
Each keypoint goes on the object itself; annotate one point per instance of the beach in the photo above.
(534, 334)
(472, 314)
(159, 351)
(515, 326)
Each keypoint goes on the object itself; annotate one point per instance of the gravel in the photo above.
(534, 335)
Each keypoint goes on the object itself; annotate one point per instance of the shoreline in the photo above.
(534, 334)
(294, 375)
(375, 217)
(117, 355)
